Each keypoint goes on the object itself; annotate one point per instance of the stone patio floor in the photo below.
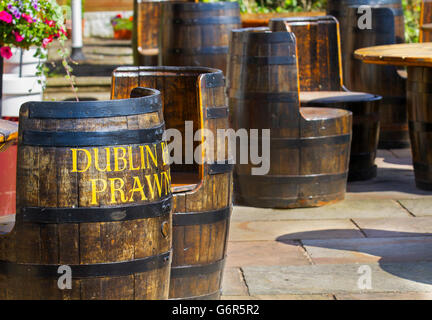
(382, 229)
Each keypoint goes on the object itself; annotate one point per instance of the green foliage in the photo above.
(412, 19)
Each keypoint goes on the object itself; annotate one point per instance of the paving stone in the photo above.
(293, 230)
(347, 209)
(402, 153)
(233, 283)
(295, 297)
(419, 207)
(265, 253)
(334, 279)
(386, 296)
(396, 227)
(238, 298)
(369, 250)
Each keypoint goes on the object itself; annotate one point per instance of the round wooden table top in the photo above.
(405, 54)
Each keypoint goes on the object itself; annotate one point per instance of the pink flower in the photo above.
(6, 52)
(18, 37)
(50, 23)
(6, 17)
(47, 41)
(27, 18)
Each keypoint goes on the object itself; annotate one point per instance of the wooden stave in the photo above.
(192, 286)
(241, 109)
(418, 96)
(97, 275)
(425, 18)
(176, 51)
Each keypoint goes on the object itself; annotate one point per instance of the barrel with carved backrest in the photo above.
(386, 27)
(196, 34)
(193, 99)
(309, 147)
(93, 202)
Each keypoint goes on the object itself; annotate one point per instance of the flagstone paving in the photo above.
(377, 244)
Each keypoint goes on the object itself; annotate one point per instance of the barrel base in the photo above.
(427, 186)
(277, 203)
(362, 175)
(212, 296)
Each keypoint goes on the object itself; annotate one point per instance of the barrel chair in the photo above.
(309, 147)
(93, 202)
(8, 151)
(321, 85)
(196, 34)
(426, 21)
(202, 187)
(388, 27)
(147, 18)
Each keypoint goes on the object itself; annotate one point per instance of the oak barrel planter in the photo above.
(321, 85)
(93, 194)
(309, 147)
(196, 34)
(202, 190)
(387, 28)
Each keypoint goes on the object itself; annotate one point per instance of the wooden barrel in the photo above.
(320, 73)
(93, 202)
(147, 18)
(202, 189)
(387, 28)
(309, 149)
(419, 96)
(196, 34)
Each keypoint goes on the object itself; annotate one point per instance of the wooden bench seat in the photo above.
(321, 85)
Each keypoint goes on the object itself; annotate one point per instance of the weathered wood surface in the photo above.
(254, 20)
(147, 19)
(406, 54)
(89, 200)
(202, 192)
(309, 147)
(426, 21)
(387, 28)
(196, 34)
(321, 85)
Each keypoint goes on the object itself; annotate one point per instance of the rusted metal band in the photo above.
(198, 218)
(97, 214)
(214, 80)
(196, 270)
(83, 271)
(263, 61)
(207, 20)
(217, 113)
(92, 139)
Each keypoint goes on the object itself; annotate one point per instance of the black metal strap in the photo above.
(217, 113)
(203, 6)
(200, 51)
(198, 218)
(208, 20)
(269, 37)
(267, 96)
(220, 168)
(84, 139)
(214, 80)
(420, 126)
(424, 167)
(193, 271)
(308, 142)
(83, 271)
(87, 215)
(263, 61)
(284, 179)
(94, 109)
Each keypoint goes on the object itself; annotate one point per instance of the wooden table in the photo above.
(417, 57)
